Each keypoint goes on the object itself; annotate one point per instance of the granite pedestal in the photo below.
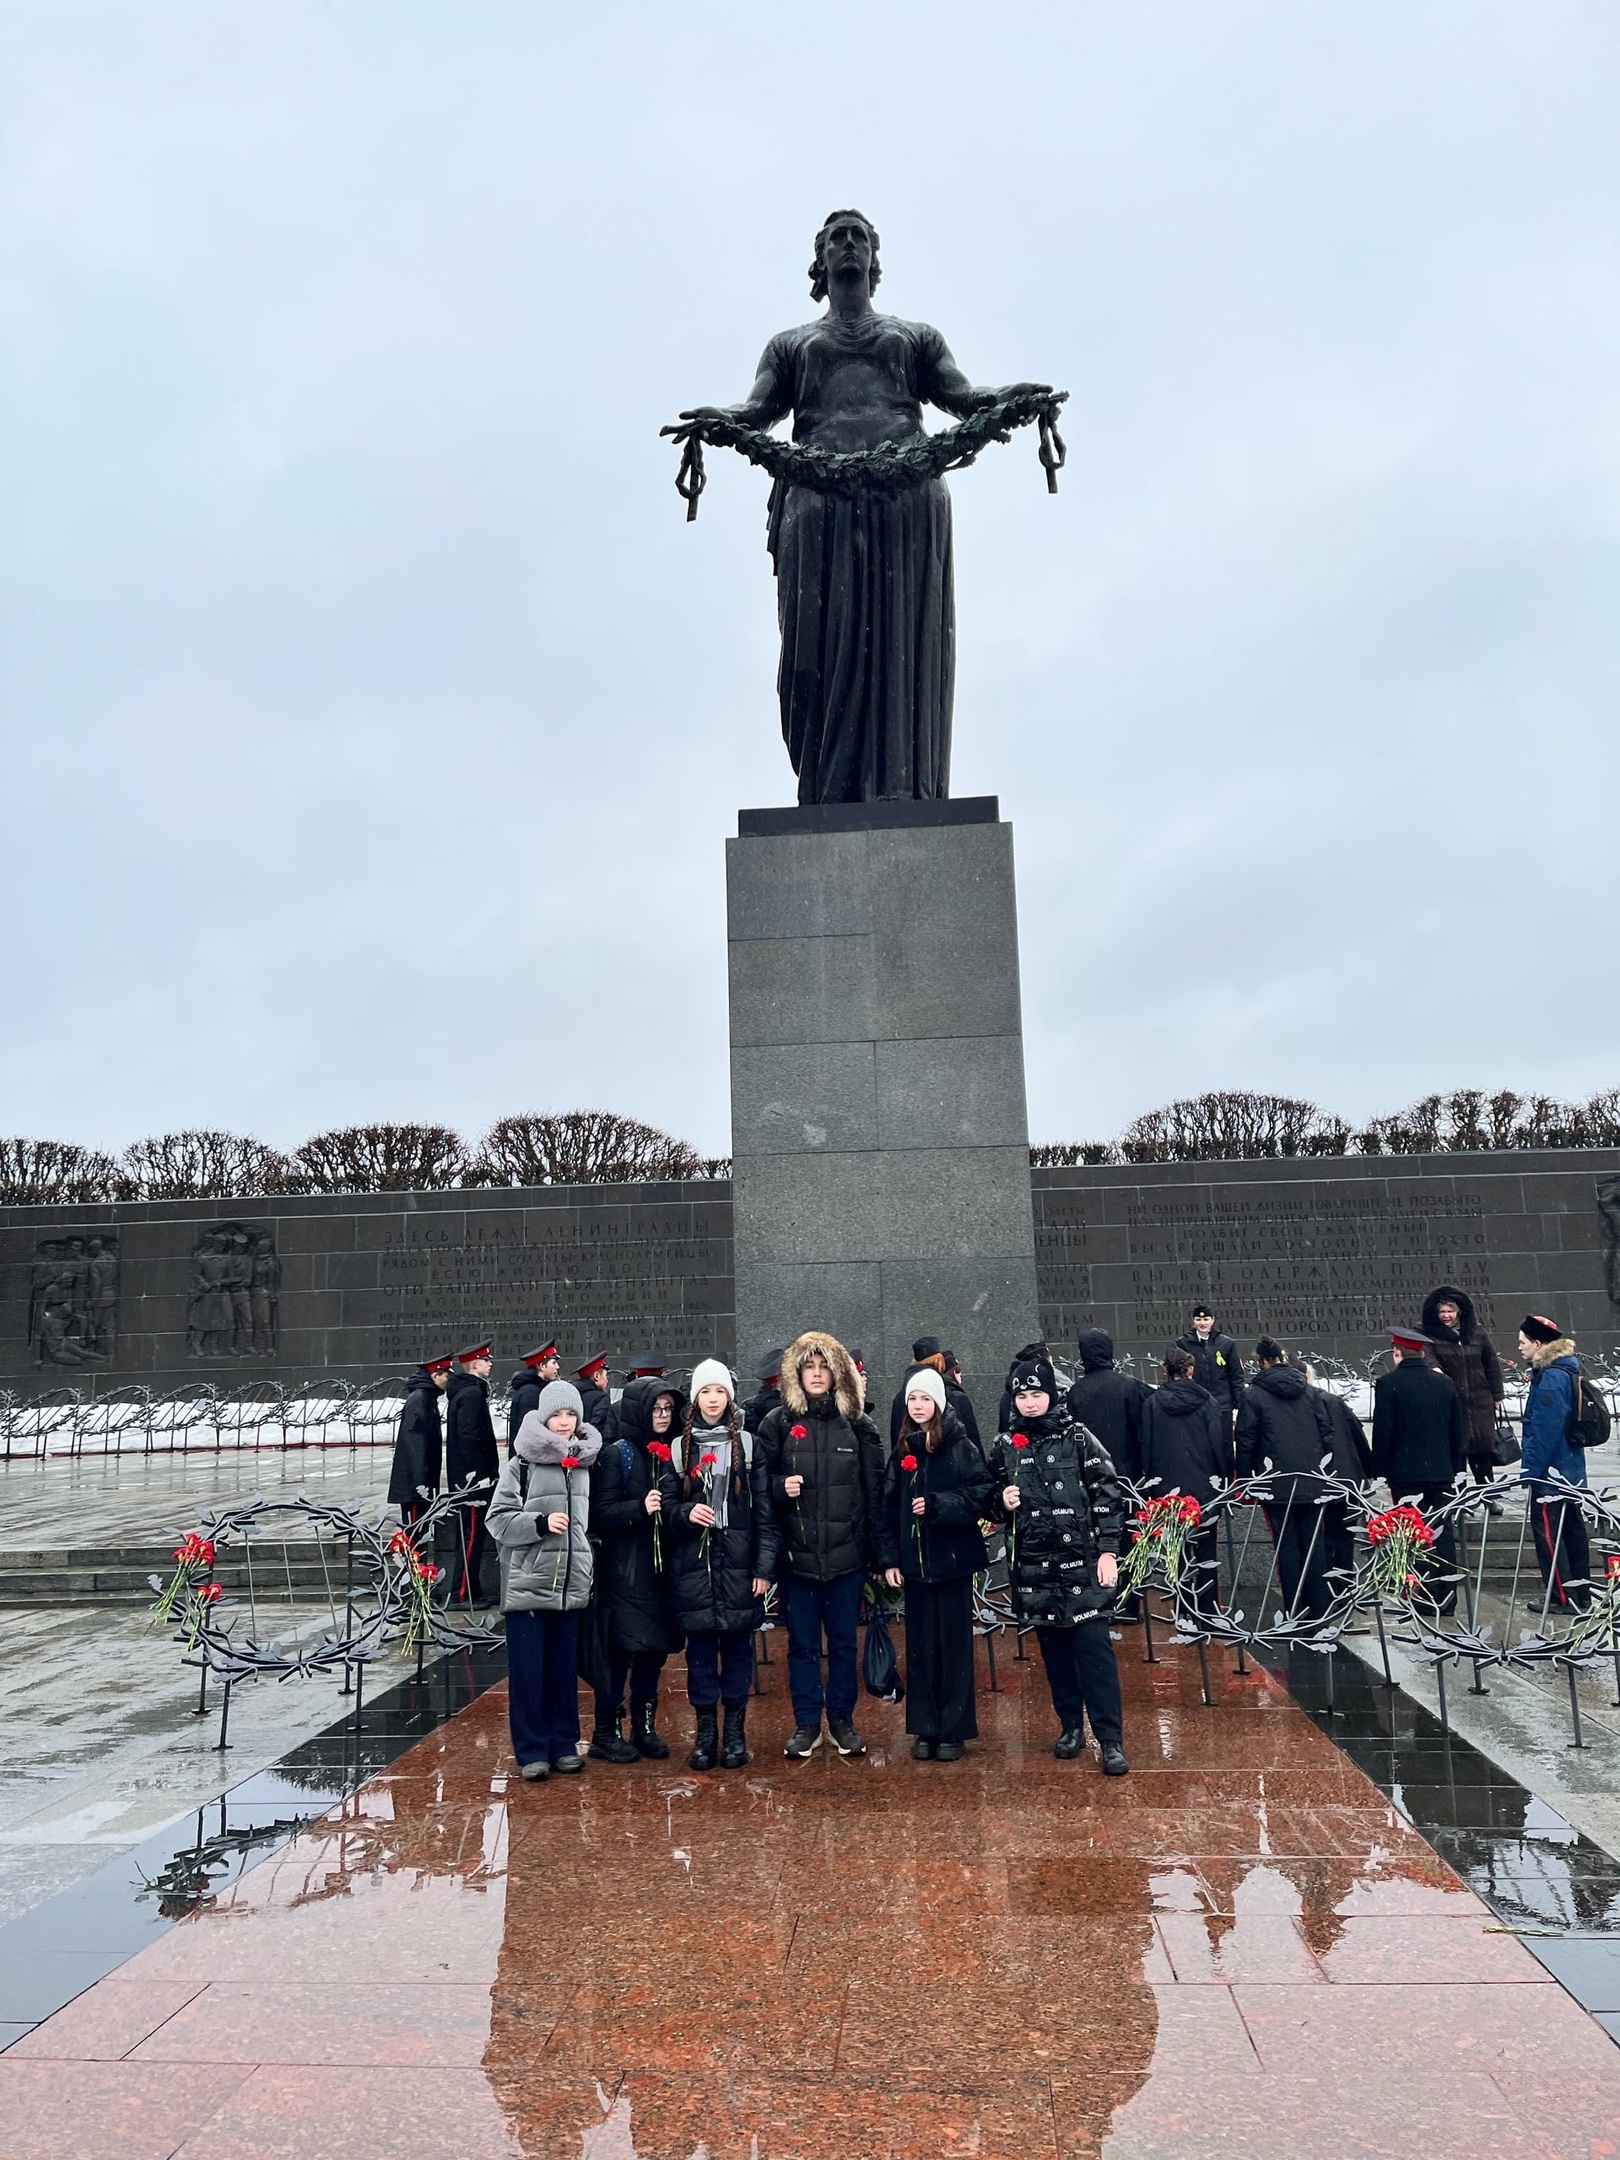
(879, 1131)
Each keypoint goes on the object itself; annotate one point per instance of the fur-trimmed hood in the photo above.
(1547, 1353)
(1447, 1294)
(847, 1388)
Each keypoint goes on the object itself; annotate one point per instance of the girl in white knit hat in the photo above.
(722, 1549)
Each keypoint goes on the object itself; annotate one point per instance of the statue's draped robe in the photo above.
(864, 584)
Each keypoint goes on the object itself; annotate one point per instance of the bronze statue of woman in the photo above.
(863, 578)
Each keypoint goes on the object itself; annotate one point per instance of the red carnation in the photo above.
(1020, 1439)
(660, 1448)
(570, 1462)
(210, 1593)
(798, 1432)
(908, 1462)
(708, 1460)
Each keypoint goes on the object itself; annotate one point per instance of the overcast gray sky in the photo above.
(363, 685)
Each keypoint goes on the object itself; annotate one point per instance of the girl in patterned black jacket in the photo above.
(1056, 1490)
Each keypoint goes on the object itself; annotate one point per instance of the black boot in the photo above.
(646, 1738)
(703, 1755)
(609, 1745)
(734, 1755)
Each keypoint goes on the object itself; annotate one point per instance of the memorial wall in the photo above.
(1324, 1254)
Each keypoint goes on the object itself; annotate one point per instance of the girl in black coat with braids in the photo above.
(935, 1489)
(1058, 1491)
(633, 1582)
(722, 1552)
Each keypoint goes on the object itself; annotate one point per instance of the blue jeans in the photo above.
(814, 1607)
(719, 1668)
(542, 1663)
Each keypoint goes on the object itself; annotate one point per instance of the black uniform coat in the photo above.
(598, 1407)
(714, 1581)
(1111, 1403)
(526, 1386)
(470, 1446)
(1283, 1422)
(946, 1543)
(637, 1595)
(1184, 1441)
(1072, 1512)
(1216, 1365)
(419, 1449)
(831, 1529)
(1417, 1428)
(1467, 1357)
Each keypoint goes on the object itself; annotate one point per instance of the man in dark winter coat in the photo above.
(956, 1394)
(419, 1449)
(824, 1459)
(1352, 1461)
(927, 1352)
(538, 1370)
(1284, 1432)
(1185, 1448)
(1418, 1443)
(768, 1395)
(470, 1452)
(1216, 1364)
(1110, 1402)
(1467, 1357)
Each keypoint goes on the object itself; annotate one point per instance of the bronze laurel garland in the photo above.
(890, 469)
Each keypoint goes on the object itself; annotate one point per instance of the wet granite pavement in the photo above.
(1245, 1948)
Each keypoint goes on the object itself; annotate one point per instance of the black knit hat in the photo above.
(1029, 1373)
(1538, 1329)
(925, 1346)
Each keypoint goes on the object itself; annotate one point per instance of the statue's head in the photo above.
(849, 237)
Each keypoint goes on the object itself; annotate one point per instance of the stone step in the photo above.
(120, 1574)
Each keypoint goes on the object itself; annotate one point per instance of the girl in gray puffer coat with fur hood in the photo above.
(539, 1518)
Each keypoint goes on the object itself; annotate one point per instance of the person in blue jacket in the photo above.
(1551, 1465)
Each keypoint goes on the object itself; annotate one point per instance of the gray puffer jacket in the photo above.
(544, 1570)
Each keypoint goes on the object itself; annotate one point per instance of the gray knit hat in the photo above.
(559, 1395)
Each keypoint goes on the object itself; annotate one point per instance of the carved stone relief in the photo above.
(73, 1308)
(233, 1307)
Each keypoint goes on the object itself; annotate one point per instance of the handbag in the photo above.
(1505, 1448)
(880, 1666)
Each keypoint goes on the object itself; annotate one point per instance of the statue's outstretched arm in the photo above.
(949, 389)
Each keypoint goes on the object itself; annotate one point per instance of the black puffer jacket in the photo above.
(470, 1448)
(1216, 1365)
(419, 1449)
(831, 1528)
(1283, 1422)
(1467, 1357)
(598, 1406)
(946, 1543)
(714, 1580)
(1071, 1512)
(638, 1594)
(1109, 1402)
(1184, 1442)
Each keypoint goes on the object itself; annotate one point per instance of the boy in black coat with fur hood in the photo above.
(824, 1459)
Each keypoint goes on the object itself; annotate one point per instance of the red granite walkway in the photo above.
(1238, 1951)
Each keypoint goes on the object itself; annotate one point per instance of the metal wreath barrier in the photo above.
(1416, 1594)
(386, 1589)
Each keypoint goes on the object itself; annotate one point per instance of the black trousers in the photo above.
(719, 1669)
(471, 1541)
(1301, 1539)
(939, 1660)
(1563, 1551)
(642, 1668)
(1084, 1678)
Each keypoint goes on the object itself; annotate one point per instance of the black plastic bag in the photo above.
(880, 1666)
